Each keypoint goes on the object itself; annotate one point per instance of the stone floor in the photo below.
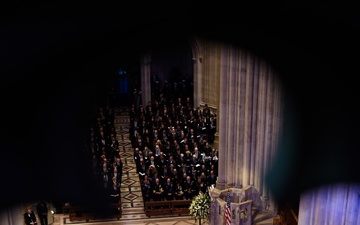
(131, 195)
(60, 219)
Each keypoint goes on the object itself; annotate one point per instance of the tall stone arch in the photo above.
(197, 69)
(149, 61)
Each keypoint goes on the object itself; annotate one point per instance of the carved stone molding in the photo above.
(212, 107)
(198, 59)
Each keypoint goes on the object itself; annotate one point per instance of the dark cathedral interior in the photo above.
(59, 62)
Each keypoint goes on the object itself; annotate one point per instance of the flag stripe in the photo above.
(228, 209)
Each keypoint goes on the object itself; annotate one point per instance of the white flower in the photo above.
(200, 206)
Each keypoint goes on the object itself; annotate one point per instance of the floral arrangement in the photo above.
(200, 206)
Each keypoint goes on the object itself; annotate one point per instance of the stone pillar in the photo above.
(254, 116)
(216, 140)
(273, 205)
(247, 121)
(13, 215)
(269, 135)
(230, 117)
(330, 204)
(266, 119)
(248, 108)
(237, 150)
(198, 81)
(222, 124)
(260, 131)
(146, 78)
(214, 195)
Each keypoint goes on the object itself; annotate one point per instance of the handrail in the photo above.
(294, 215)
(288, 216)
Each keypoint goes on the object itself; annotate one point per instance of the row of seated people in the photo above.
(175, 155)
(105, 153)
(111, 177)
(105, 150)
(177, 178)
(174, 128)
(179, 161)
(175, 187)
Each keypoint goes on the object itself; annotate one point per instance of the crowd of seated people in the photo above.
(172, 144)
(105, 152)
(173, 150)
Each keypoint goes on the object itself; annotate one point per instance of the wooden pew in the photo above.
(164, 208)
(180, 207)
(115, 211)
(156, 208)
(78, 213)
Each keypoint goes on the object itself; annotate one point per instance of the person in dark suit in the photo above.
(119, 165)
(179, 191)
(142, 168)
(151, 162)
(157, 190)
(211, 179)
(146, 190)
(188, 188)
(42, 212)
(114, 147)
(115, 173)
(169, 190)
(29, 217)
(114, 193)
(136, 155)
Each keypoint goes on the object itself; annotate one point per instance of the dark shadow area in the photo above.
(56, 60)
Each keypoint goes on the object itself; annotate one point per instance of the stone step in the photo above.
(264, 218)
(265, 222)
(130, 211)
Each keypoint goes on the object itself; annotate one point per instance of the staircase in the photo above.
(131, 195)
(263, 218)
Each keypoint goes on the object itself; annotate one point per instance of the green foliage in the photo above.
(200, 206)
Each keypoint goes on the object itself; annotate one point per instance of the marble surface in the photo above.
(61, 219)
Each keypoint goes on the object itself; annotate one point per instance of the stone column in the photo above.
(197, 62)
(276, 132)
(243, 129)
(266, 125)
(330, 204)
(222, 124)
(247, 120)
(254, 116)
(12, 215)
(145, 78)
(214, 195)
(230, 117)
(269, 135)
(216, 141)
(260, 129)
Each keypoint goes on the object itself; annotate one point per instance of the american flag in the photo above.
(228, 210)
